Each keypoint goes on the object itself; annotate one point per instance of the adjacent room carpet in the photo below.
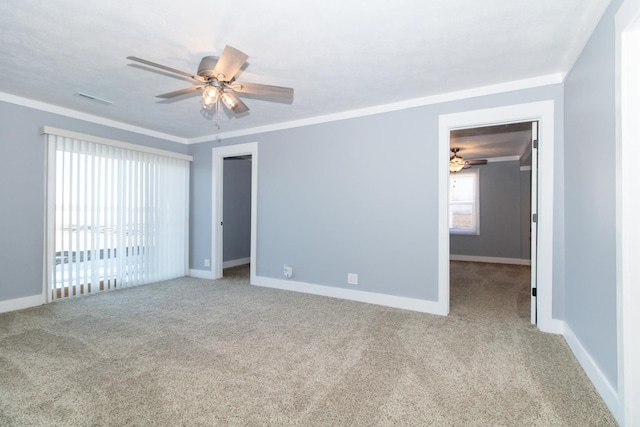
(197, 352)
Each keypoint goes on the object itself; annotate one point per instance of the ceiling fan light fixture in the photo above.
(208, 102)
(456, 164)
(210, 97)
(211, 92)
(228, 100)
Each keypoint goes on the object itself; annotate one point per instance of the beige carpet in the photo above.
(196, 352)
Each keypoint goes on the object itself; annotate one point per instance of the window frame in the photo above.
(475, 231)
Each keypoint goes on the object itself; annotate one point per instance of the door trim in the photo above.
(217, 168)
(627, 23)
(534, 224)
(543, 112)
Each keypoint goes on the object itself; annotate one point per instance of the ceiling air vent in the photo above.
(95, 98)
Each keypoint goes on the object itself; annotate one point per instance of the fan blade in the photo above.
(229, 63)
(164, 67)
(264, 90)
(476, 162)
(233, 102)
(180, 92)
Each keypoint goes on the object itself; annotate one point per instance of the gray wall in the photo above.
(22, 190)
(357, 195)
(590, 292)
(501, 221)
(236, 206)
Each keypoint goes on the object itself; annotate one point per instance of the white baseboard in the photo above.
(413, 304)
(201, 274)
(490, 259)
(20, 303)
(598, 379)
(551, 326)
(236, 262)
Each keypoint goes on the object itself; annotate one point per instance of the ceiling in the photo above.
(338, 56)
(492, 142)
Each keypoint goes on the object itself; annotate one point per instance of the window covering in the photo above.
(117, 214)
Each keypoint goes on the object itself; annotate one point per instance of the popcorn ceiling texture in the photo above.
(338, 56)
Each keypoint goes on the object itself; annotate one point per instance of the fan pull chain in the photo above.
(218, 112)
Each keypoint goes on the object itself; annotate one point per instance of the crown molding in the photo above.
(545, 80)
(74, 114)
(502, 159)
(511, 86)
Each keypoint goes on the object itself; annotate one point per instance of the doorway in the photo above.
(544, 113)
(492, 201)
(236, 212)
(243, 152)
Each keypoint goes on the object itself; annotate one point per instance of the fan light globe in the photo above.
(211, 92)
(228, 100)
(455, 166)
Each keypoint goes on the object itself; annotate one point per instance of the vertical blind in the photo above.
(117, 217)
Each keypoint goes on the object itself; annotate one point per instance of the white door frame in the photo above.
(534, 224)
(627, 205)
(217, 169)
(543, 112)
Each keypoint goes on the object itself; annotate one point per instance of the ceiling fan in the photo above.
(216, 79)
(457, 163)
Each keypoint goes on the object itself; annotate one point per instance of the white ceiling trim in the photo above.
(546, 80)
(49, 108)
(385, 108)
(502, 159)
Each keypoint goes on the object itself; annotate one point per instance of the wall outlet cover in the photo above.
(288, 271)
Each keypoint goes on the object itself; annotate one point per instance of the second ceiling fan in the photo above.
(457, 163)
(216, 79)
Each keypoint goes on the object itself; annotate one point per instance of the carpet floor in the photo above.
(197, 352)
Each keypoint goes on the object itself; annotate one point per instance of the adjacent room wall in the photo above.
(236, 204)
(501, 221)
(22, 191)
(356, 196)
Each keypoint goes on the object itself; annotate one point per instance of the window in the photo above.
(464, 215)
(117, 217)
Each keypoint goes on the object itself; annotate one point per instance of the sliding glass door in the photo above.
(117, 217)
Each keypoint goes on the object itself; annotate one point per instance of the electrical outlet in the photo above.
(288, 271)
(207, 263)
(352, 278)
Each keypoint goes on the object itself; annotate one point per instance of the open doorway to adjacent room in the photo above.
(491, 179)
(542, 112)
(236, 215)
(234, 209)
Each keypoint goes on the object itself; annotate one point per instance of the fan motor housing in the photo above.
(207, 65)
